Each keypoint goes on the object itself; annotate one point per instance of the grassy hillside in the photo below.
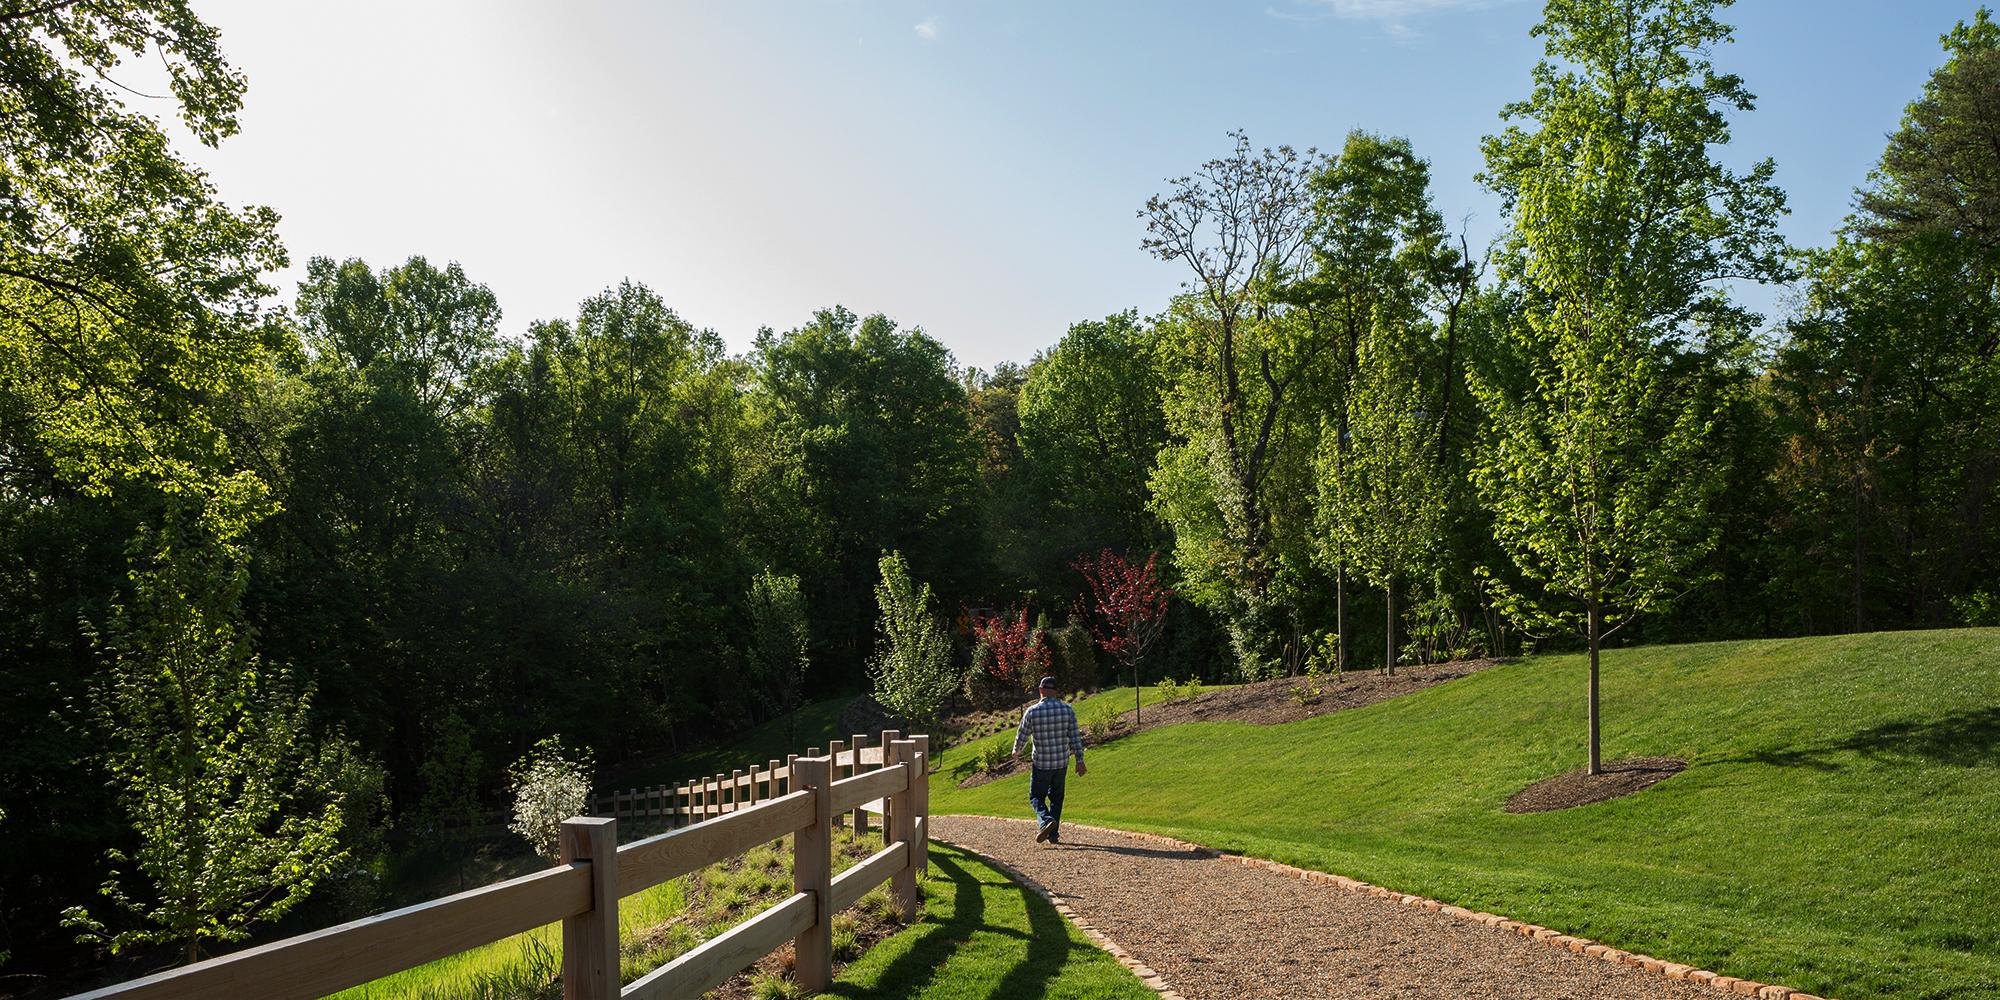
(1838, 829)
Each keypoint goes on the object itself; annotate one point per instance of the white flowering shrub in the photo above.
(551, 783)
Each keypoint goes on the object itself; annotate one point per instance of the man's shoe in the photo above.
(1044, 834)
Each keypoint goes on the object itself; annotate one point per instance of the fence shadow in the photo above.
(908, 973)
(1048, 949)
(1962, 739)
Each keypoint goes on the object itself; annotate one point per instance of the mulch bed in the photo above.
(1270, 703)
(1579, 788)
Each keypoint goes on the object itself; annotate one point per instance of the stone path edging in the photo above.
(1147, 976)
(1553, 938)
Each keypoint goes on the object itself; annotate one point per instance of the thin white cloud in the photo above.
(1394, 16)
(928, 29)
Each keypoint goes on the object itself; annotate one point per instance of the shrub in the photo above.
(1311, 687)
(1098, 730)
(1010, 650)
(995, 756)
(1072, 657)
(1979, 608)
(1177, 691)
(551, 783)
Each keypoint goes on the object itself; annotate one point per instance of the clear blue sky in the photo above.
(971, 168)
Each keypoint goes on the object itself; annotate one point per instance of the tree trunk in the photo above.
(1340, 618)
(1596, 627)
(1389, 636)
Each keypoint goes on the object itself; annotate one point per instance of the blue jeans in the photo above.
(1045, 793)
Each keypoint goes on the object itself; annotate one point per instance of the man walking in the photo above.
(1051, 724)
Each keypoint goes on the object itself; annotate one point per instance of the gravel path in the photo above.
(1218, 930)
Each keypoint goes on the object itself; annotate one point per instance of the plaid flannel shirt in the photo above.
(1051, 724)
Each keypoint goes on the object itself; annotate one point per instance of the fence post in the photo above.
(771, 775)
(860, 811)
(791, 773)
(889, 738)
(812, 872)
(901, 828)
(590, 939)
(920, 805)
(736, 789)
(833, 751)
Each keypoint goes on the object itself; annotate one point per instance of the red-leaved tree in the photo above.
(1014, 648)
(1128, 605)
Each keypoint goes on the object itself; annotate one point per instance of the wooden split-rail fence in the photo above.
(583, 892)
(686, 802)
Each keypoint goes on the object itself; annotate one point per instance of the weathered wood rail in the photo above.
(583, 895)
(699, 799)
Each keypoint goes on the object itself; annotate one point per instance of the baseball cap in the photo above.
(1049, 682)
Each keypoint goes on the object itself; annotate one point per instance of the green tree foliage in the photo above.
(781, 638)
(1242, 376)
(128, 294)
(449, 809)
(878, 454)
(237, 806)
(1092, 427)
(913, 667)
(1381, 264)
(1889, 386)
(1622, 223)
(130, 333)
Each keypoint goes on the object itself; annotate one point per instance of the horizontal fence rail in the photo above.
(706, 798)
(805, 798)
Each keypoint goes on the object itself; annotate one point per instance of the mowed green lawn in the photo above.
(983, 937)
(1838, 830)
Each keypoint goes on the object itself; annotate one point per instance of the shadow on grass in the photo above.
(1048, 949)
(1963, 739)
(908, 973)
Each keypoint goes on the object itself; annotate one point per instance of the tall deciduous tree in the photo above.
(1622, 227)
(130, 330)
(1381, 264)
(1241, 370)
(1891, 377)
(1091, 430)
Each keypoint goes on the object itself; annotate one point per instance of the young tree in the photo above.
(912, 668)
(237, 804)
(1386, 505)
(1128, 606)
(1011, 650)
(1381, 263)
(1622, 226)
(780, 638)
(449, 807)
